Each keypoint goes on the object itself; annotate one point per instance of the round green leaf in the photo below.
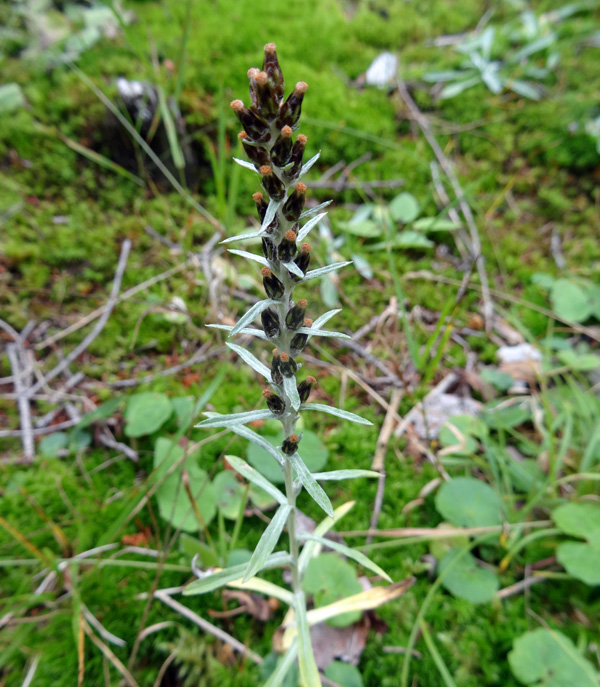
(190, 546)
(229, 494)
(329, 578)
(366, 228)
(468, 502)
(467, 580)
(53, 443)
(344, 674)
(404, 208)
(546, 658)
(579, 520)
(146, 412)
(238, 557)
(570, 301)
(458, 432)
(314, 454)
(580, 560)
(440, 547)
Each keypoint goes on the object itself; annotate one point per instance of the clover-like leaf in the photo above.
(464, 578)
(469, 502)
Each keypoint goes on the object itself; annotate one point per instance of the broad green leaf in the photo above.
(404, 208)
(309, 673)
(255, 477)
(267, 542)
(145, 413)
(251, 360)
(350, 553)
(229, 494)
(218, 420)
(184, 407)
(501, 380)
(219, 578)
(329, 578)
(469, 502)
(53, 443)
(506, 417)
(344, 674)
(344, 414)
(311, 446)
(320, 271)
(238, 557)
(367, 228)
(252, 314)
(579, 361)
(467, 580)
(570, 301)
(102, 412)
(304, 231)
(543, 280)
(337, 475)
(579, 520)
(190, 546)
(580, 560)
(434, 224)
(546, 658)
(283, 667)
(291, 390)
(11, 97)
(311, 485)
(173, 502)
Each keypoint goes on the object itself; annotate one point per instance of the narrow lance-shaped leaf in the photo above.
(219, 578)
(344, 414)
(218, 420)
(255, 584)
(283, 665)
(289, 386)
(247, 433)
(250, 256)
(272, 209)
(309, 164)
(320, 271)
(303, 233)
(247, 330)
(267, 542)
(313, 211)
(252, 314)
(310, 548)
(325, 317)
(311, 331)
(255, 477)
(242, 237)
(350, 553)
(247, 165)
(338, 475)
(251, 360)
(311, 485)
(293, 268)
(309, 673)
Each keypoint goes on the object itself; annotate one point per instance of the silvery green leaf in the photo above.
(247, 165)
(457, 87)
(268, 541)
(214, 580)
(247, 433)
(252, 314)
(309, 673)
(247, 330)
(218, 420)
(283, 666)
(250, 256)
(435, 77)
(362, 266)
(251, 360)
(272, 208)
(306, 166)
(303, 233)
(320, 271)
(525, 88)
(293, 268)
(347, 551)
(242, 237)
(313, 211)
(328, 289)
(255, 477)
(311, 485)
(344, 414)
(289, 386)
(322, 332)
(325, 317)
(312, 548)
(337, 475)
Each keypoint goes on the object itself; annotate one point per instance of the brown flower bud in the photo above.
(271, 183)
(271, 66)
(290, 445)
(287, 248)
(291, 108)
(256, 154)
(296, 156)
(269, 250)
(257, 129)
(305, 387)
(295, 316)
(261, 204)
(273, 287)
(293, 206)
(270, 323)
(303, 258)
(282, 148)
(276, 375)
(288, 365)
(252, 79)
(274, 402)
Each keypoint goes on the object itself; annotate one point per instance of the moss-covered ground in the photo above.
(528, 173)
